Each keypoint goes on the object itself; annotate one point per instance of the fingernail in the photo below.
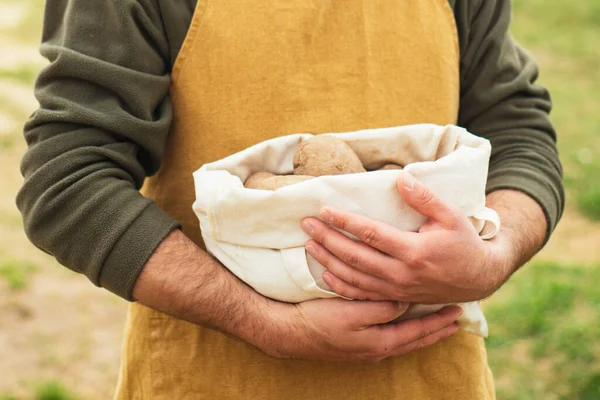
(327, 279)
(312, 250)
(409, 181)
(327, 215)
(400, 305)
(307, 227)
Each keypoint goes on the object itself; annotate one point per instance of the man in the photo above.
(140, 88)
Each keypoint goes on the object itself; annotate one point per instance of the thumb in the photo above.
(425, 202)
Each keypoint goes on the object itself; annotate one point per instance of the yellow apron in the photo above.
(253, 70)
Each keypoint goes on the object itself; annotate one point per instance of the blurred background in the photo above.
(60, 336)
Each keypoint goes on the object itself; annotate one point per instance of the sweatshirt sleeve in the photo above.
(501, 102)
(100, 129)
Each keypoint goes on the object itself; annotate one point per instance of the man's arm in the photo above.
(100, 130)
(179, 278)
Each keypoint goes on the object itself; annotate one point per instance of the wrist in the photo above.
(503, 260)
(522, 233)
(272, 327)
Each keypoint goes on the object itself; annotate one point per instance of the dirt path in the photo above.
(575, 241)
(59, 327)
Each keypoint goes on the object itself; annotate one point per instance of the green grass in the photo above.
(588, 198)
(564, 36)
(53, 391)
(25, 75)
(16, 273)
(567, 27)
(545, 333)
(50, 390)
(7, 142)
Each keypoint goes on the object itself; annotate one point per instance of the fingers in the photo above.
(427, 340)
(427, 203)
(351, 282)
(352, 292)
(345, 289)
(415, 332)
(360, 330)
(373, 235)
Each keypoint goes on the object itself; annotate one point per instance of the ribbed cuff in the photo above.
(125, 262)
(543, 192)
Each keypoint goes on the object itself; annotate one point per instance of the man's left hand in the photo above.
(444, 262)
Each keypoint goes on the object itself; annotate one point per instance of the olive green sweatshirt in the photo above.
(105, 113)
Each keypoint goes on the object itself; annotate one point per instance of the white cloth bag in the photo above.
(256, 234)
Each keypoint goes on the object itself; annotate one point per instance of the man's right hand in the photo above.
(181, 280)
(342, 330)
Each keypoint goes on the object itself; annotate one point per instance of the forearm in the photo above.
(181, 280)
(523, 229)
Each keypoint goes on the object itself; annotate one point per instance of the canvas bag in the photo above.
(256, 234)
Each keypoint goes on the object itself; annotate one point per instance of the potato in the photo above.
(326, 155)
(278, 181)
(255, 179)
(389, 166)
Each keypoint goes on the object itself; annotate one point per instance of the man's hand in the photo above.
(445, 262)
(342, 330)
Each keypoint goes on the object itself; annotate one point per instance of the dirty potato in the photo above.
(389, 166)
(256, 179)
(326, 155)
(278, 181)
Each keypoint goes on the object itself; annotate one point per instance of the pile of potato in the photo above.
(317, 156)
